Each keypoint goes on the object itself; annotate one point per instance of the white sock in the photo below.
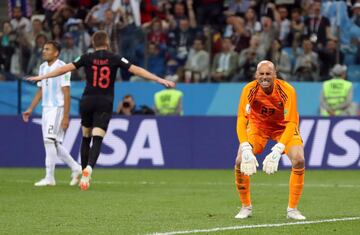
(65, 156)
(50, 158)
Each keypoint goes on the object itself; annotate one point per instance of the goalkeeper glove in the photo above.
(248, 162)
(271, 162)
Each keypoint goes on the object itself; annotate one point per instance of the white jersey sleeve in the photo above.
(41, 69)
(65, 79)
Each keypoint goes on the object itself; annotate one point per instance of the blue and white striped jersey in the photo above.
(52, 95)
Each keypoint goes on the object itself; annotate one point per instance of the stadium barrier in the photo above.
(180, 142)
(207, 99)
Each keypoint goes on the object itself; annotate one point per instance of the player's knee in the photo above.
(96, 131)
(86, 131)
(296, 155)
(49, 141)
(298, 160)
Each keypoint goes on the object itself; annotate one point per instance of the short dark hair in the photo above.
(40, 35)
(55, 44)
(100, 39)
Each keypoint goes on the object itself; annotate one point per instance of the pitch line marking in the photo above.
(206, 183)
(256, 226)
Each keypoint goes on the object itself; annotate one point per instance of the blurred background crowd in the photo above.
(189, 41)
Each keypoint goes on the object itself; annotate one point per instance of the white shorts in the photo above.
(51, 123)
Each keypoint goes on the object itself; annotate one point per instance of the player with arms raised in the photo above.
(267, 110)
(96, 104)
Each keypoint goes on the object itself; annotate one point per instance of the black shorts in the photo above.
(95, 111)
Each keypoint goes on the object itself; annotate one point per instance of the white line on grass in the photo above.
(198, 183)
(257, 226)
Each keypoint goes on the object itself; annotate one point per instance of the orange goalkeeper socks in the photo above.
(295, 186)
(243, 186)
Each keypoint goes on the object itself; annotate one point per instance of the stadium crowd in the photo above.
(189, 40)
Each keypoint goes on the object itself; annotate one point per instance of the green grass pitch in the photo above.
(122, 201)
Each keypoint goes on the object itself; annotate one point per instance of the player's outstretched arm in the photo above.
(56, 72)
(34, 102)
(150, 76)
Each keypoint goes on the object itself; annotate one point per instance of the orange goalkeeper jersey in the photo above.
(268, 113)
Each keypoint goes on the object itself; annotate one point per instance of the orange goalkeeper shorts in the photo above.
(258, 139)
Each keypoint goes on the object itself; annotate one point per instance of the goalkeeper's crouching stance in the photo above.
(267, 110)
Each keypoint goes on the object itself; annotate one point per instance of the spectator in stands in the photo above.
(79, 33)
(180, 40)
(329, 56)
(62, 15)
(285, 24)
(36, 29)
(148, 11)
(153, 60)
(240, 37)
(50, 7)
(252, 25)
(270, 31)
(127, 107)
(209, 12)
(18, 22)
(110, 26)
(129, 34)
(97, 14)
(163, 12)
(356, 14)
(307, 63)
(7, 46)
(237, 7)
(355, 30)
(296, 28)
(180, 14)
(337, 93)
(69, 51)
(317, 27)
(168, 102)
(265, 7)
(211, 38)
(129, 11)
(20, 58)
(197, 63)
(36, 55)
(248, 60)
(23, 5)
(224, 65)
(280, 59)
(156, 33)
(57, 33)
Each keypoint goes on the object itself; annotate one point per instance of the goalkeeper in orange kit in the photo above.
(267, 110)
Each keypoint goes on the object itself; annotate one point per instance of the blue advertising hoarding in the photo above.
(180, 142)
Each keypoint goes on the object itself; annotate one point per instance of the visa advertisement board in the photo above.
(180, 142)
